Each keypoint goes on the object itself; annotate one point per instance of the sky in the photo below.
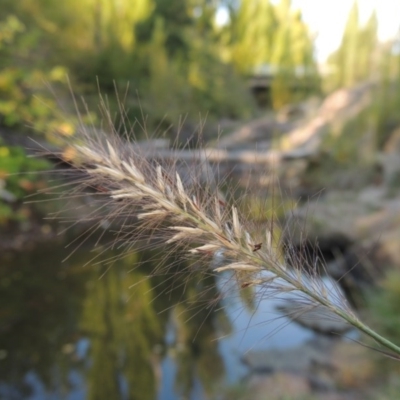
(327, 19)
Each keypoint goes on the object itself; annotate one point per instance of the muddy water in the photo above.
(78, 330)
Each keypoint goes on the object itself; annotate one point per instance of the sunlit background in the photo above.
(313, 85)
(328, 20)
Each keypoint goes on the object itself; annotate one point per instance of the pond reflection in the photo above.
(99, 332)
(74, 330)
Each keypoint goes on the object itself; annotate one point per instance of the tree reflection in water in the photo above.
(50, 309)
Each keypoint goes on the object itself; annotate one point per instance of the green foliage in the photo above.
(384, 305)
(19, 176)
(17, 169)
(387, 97)
(170, 51)
(388, 391)
(6, 212)
(350, 147)
(347, 143)
(199, 82)
(23, 101)
(348, 154)
(8, 29)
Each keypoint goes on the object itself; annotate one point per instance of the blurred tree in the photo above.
(179, 55)
(172, 51)
(122, 332)
(367, 48)
(196, 322)
(253, 30)
(345, 57)
(354, 60)
(272, 39)
(42, 296)
(293, 58)
(175, 17)
(204, 12)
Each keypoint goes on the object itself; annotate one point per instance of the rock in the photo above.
(332, 215)
(353, 366)
(382, 230)
(292, 111)
(390, 164)
(322, 369)
(317, 318)
(341, 105)
(257, 130)
(301, 359)
(345, 217)
(355, 272)
(386, 253)
(372, 197)
(389, 160)
(278, 386)
(357, 236)
(5, 195)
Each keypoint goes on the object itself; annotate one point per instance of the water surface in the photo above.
(72, 330)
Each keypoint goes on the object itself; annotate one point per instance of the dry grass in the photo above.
(152, 201)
